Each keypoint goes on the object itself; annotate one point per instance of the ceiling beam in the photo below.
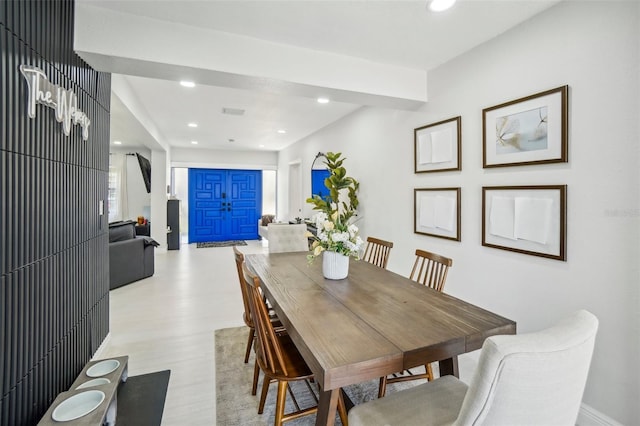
(123, 43)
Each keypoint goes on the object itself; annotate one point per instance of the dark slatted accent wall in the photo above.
(54, 288)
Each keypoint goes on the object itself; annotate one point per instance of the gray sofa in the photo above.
(131, 257)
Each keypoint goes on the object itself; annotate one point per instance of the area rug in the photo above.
(221, 244)
(236, 406)
(141, 399)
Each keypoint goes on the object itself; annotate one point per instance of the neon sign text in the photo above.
(63, 101)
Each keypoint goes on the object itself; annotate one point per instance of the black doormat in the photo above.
(141, 399)
(221, 244)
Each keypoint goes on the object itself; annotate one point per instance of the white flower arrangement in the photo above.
(335, 236)
(334, 230)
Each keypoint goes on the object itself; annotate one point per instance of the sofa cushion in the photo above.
(267, 219)
(122, 231)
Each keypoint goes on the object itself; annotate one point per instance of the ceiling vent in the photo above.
(232, 111)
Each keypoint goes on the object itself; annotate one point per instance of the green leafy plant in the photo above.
(334, 230)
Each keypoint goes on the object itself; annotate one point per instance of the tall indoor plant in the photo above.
(336, 237)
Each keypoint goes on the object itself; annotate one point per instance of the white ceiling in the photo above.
(172, 107)
(401, 33)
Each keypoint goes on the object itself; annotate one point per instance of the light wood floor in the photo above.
(167, 321)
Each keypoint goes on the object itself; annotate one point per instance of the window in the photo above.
(113, 206)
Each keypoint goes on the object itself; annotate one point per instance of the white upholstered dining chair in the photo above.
(526, 379)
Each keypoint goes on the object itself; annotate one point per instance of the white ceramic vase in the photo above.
(335, 266)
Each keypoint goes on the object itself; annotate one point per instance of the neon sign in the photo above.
(63, 101)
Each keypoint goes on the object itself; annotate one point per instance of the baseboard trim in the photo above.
(103, 345)
(588, 416)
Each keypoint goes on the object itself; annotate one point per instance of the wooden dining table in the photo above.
(371, 324)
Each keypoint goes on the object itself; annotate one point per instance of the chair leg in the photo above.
(266, 381)
(252, 333)
(256, 374)
(282, 396)
(429, 372)
(382, 389)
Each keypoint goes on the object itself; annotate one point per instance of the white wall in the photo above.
(594, 48)
(109, 40)
(160, 171)
(269, 182)
(219, 159)
(138, 199)
(181, 192)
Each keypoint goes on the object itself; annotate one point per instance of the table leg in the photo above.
(327, 407)
(449, 367)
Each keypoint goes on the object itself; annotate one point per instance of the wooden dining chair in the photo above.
(278, 358)
(246, 316)
(377, 252)
(429, 269)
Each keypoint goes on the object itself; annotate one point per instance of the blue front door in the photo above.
(224, 204)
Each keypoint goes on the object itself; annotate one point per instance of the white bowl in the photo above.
(103, 367)
(78, 405)
(94, 382)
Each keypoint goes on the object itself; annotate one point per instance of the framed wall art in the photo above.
(530, 130)
(525, 219)
(437, 212)
(438, 146)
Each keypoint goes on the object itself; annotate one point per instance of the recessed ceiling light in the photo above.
(323, 100)
(192, 124)
(194, 142)
(283, 131)
(440, 5)
(261, 146)
(117, 142)
(187, 84)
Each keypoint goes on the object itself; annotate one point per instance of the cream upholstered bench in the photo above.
(262, 226)
(284, 237)
(262, 231)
